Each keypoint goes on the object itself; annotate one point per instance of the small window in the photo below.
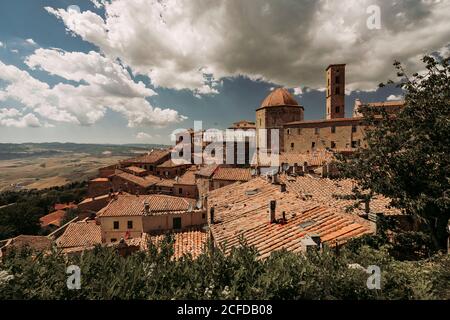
(180, 190)
(338, 109)
(292, 145)
(130, 224)
(177, 223)
(203, 215)
(288, 131)
(337, 79)
(354, 128)
(317, 130)
(299, 131)
(333, 144)
(337, 91)
(333, 129)
(354, 144)
(313, 144)
(113, 240)
(116, 225)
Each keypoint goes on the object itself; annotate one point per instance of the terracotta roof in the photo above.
(171, 164)
(279, 97)
(152, 157)
(324, 191)
(38, 243)
(80, 234)
(243, 209)
(144, 182)
(166, 183)
(55, 218)
(100, 180)
(187, 179)
(130, 205)
(207, 171)
(232, 174)
(186, 242)
(243, 124)
(135, 169)
(64, 206)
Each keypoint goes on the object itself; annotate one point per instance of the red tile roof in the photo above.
(100, 180)
(232, 174)
(135, 169)
(191, 241)
(187, 179)
(65, 206)
(172, 164)
(144, 182)
(55, 218)
(151, 158)
(38, 243)
(130, 205)
(207, 171)
(243, 209)
(80, 234)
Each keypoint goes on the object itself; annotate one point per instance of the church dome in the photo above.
(279, 97)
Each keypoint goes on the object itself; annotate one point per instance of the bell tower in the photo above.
(335, 91)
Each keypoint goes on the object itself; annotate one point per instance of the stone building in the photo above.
(277, 109)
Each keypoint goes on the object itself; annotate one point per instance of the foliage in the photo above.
(406, 158)
(241, 274)
(28, 206)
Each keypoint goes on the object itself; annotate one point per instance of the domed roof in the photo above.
(279, 97)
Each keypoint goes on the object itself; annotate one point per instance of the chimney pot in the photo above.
(273, 206)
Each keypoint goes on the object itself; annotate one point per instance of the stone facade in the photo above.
(336, 134)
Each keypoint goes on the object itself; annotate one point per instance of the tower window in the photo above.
(337, 79)
(354, 128)
(288, 131)
(292, 145)
(299, 131)
(338, 91)
(333, 129)
(316, 130)
(338, 109)
(333, 144)
(313, 144)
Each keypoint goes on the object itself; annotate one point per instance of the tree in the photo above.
(407, 154)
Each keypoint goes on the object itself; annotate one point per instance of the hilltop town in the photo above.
(296, 205)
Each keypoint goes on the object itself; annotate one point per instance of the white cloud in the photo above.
(143, 136)
(11, 117)
(283, 42)
(31, 41)
(14, 51)
(101, 84)
(1, 44)
(393, 97)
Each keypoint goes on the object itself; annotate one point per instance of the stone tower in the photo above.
(335, 91)
(277, 109)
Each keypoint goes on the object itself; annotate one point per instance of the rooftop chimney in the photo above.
(282, 187)
(272, 210)
(367, 206)
(211, 215)
(146, 208)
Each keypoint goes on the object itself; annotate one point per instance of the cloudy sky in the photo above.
(130, 71)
